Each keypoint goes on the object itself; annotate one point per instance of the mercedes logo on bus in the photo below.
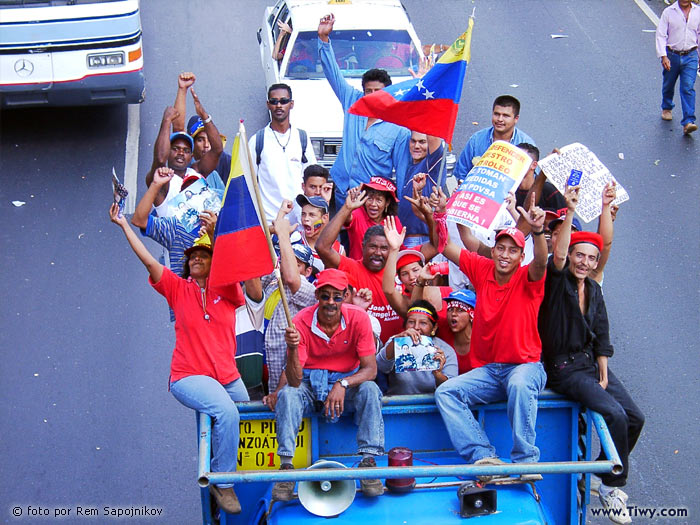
(24, 68)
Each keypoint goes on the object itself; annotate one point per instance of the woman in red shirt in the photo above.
(203, 373)
(370, 204)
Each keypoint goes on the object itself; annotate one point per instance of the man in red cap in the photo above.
(505, 347)
(573, 325)
(330, 362)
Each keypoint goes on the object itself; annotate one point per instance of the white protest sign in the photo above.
(557, 168)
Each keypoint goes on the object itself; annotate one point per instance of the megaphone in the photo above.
(326, 498)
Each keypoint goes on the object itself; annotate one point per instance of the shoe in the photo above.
(226, 499)
(283, 490)
(489, 461)
(689, 128)
(530, 477)
(370, 487)
(616, 502)
(666, 114)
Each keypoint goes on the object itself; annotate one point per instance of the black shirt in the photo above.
(550, 199)
(563, 328)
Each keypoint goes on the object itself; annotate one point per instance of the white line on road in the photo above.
(650, 14)
(131, 155)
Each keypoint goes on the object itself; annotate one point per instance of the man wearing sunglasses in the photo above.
(282, 158)
(330, 366)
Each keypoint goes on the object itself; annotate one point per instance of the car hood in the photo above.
(316, 108)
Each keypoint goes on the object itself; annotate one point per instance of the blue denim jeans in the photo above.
(365, 400)
(207, 395)
(520, 385)
(685, 67)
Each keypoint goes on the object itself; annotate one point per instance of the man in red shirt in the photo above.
(505, 345)
(366, 273)
(330, 361)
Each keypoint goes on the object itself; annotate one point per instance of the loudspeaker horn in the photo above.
(326, 498)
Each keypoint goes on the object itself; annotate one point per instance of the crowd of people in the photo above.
(366, 256)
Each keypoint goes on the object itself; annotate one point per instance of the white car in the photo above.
(367, 34)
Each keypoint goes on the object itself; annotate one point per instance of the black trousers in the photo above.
(579, 381)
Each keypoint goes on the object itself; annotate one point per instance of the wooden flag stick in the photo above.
(263, 221)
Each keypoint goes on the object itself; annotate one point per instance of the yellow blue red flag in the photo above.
(240, 248)
(427, 104)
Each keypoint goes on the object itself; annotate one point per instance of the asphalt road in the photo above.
(87, 419)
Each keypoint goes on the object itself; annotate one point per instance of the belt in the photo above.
(562, 361)
(682, 53)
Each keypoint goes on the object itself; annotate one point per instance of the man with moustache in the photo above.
(573, 325)
(330, 363)
(505, 347)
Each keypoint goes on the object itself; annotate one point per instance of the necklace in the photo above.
(274, 134)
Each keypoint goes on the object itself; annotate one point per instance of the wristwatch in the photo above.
(344, 383)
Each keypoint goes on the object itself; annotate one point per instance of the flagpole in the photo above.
(266, 229)
(441, 174)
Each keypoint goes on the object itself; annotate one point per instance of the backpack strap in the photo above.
(304, 140)
(259, 143)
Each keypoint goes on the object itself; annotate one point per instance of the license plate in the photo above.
(257, 448)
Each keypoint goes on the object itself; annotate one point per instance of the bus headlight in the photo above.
(318, 148)
(105, 60)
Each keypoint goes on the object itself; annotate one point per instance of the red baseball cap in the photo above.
(381, 184)
(514, 234)
(408, 257)
(590, 237)
(331, 277)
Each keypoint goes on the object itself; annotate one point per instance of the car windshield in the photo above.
(355, 52)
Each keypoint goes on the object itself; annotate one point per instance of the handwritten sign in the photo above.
(477, 201)
(595, 176)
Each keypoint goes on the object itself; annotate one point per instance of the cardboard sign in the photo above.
(411, 357)
(595, 176)
(478, 200)
(257, 445)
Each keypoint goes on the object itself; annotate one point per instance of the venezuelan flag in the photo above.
(428, 104)
(240, 249)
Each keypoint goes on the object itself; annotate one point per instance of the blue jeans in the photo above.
(365, 399)
(207, 395)
(686, 67)
(520, 385)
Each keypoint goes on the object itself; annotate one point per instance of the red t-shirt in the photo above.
(505, 320)
(444, 331)
(361, 277)
(342, 351)
(463, 363)
(359, 224)
(202, 347)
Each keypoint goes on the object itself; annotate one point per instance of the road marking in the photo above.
(650, 14)
(131, 155)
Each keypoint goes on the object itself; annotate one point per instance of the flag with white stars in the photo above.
(429, 104)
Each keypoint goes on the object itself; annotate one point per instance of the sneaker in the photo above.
(689, 128)
(370, 487)
(283, 490)
(666, 114)
(616, 502)
(226, 499)
(489, 461)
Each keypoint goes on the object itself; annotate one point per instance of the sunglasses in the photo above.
(276, 101)
(338, 298)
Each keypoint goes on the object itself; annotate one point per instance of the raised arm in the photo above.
(284, 29)
(535, 219)
(161, 178)
(535, 191)
(324, 244)
(184, 81)
(210, 159)
(343, 90)
(288, 261)
(606, 230)
(397, 300)
(561, 248)
(155, 269)
(161, 148)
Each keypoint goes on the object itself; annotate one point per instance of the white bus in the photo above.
(70, 53)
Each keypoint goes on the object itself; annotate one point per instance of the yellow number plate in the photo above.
(257, 448)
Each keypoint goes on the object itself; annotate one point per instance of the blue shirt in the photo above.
(404, 187)
(477, 145)
(365, 152)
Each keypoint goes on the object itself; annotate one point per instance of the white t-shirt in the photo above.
(281, 172)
